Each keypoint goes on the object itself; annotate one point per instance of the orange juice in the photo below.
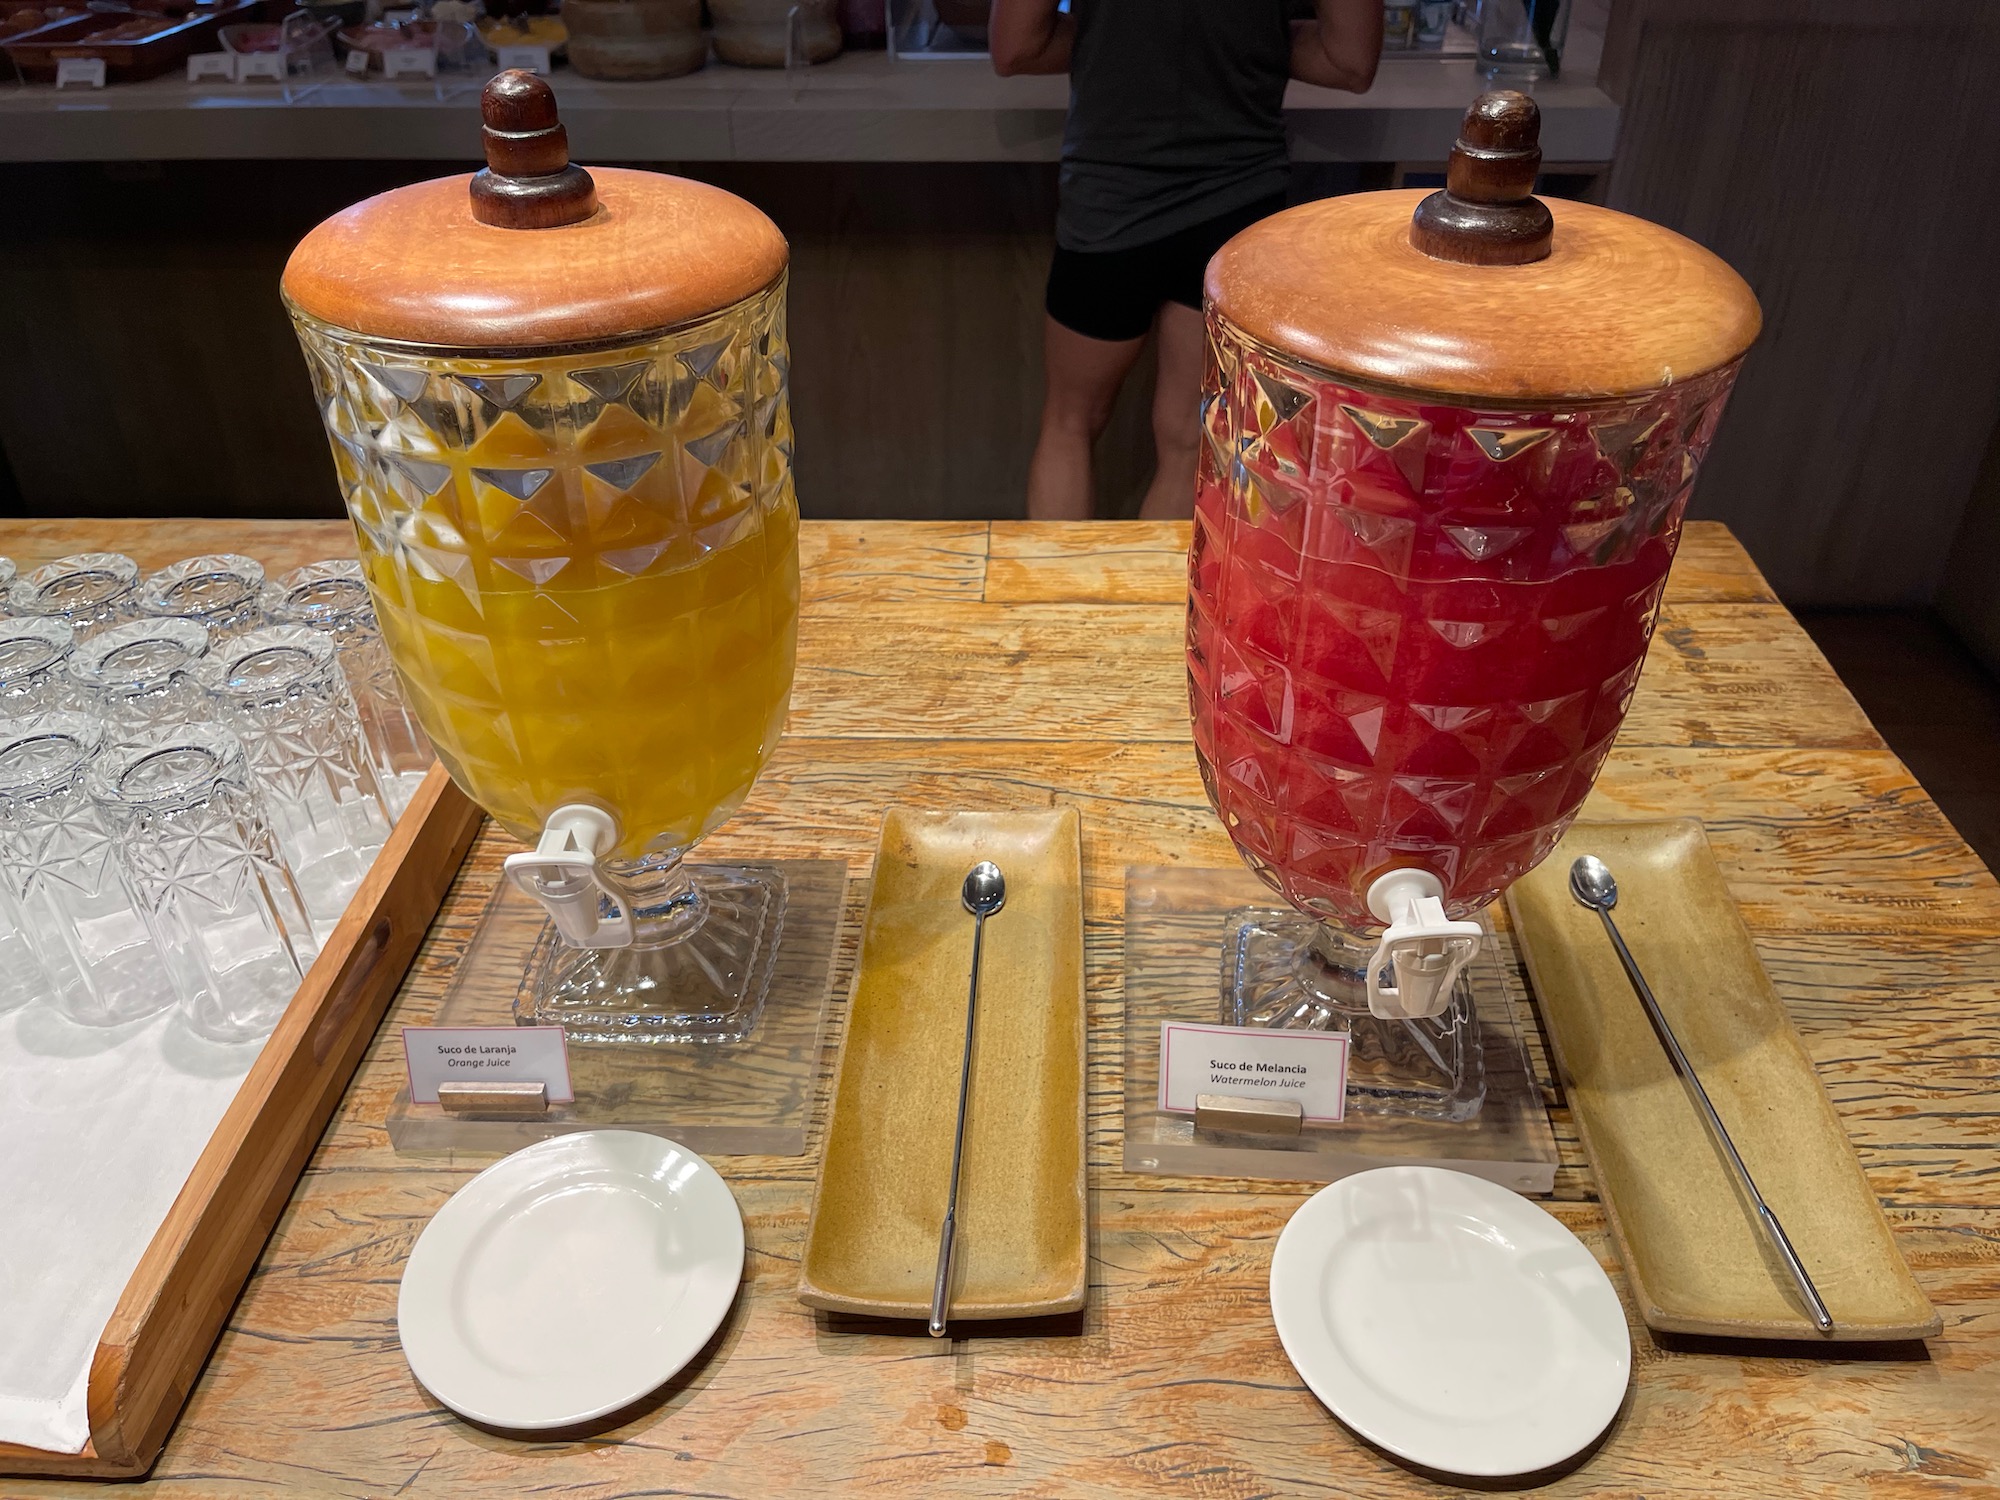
(586, 567)
(658, 698)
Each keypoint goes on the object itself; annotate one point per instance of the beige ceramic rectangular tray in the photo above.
(1022, 1247)
(1689, 1245)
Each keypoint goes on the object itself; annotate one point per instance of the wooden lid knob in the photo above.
(529, 182)
(1487, 214)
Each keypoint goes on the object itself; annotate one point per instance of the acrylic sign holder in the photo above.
(1174, 922)
(718, 1099)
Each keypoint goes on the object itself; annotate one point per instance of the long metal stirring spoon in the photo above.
(984, 893)
(1594, 886)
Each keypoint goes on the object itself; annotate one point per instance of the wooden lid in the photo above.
(1482, 290)
(533, 252)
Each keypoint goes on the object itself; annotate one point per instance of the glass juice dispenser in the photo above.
(1448, 441)
(557, 405)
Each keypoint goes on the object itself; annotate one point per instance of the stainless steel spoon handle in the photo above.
(942, 1291)
(943, 1287)
(1773, 1230)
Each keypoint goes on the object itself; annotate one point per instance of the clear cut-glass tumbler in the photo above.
(280, 690)
(34, 658)
(57, 854)
(88, 590)
(140, 676)
(207, 876)
(221, 590)
(332, 598)
(22, 977)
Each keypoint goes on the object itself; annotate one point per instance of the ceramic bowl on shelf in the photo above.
(635, 39)
(752, 33)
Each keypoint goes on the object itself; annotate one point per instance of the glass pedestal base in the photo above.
(755, 1096)
(1284, 969)
(705, 985)
(1408, 1090)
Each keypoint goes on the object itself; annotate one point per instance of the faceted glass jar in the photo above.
(1414, 628)
(584, 563)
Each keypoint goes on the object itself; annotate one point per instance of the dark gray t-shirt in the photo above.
(1176, 115)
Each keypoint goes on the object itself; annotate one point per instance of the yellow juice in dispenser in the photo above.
(666, 710)
(581, 611)
(556, 400)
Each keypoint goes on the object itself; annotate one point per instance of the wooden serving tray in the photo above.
(36, 53)
(1023, 1236)
(173, 1308)
(1690, 1247)
(33, 52)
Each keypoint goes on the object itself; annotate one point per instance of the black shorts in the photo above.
(1113, 294)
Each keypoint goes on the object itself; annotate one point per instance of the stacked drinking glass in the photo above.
(331, 597)
(190, 792)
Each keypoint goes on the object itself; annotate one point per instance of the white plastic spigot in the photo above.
(1422, 948)
(564, 872)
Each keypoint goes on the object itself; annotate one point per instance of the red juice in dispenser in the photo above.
(1414, 629)
(1448, 441)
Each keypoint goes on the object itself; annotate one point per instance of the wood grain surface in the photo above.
(1869, 333)
(414, 264)
(1618, 306)
(1879, 928)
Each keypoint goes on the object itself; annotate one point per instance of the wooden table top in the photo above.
(961, 665)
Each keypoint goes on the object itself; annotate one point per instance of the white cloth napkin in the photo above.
(98, 1130)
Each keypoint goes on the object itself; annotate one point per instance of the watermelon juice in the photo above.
(1414, 629)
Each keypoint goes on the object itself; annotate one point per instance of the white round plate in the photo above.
(570, 1279)
(1450, 1321)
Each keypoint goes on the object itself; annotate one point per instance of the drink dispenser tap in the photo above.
(565, 872)
(1421, 947)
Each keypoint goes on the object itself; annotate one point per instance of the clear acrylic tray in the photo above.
(753, 1097)
(1175, 921)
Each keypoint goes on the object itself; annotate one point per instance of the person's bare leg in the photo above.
(1176, 414)
(1081, 378)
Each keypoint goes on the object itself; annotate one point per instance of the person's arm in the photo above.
(1030, 36)
(1337, 49)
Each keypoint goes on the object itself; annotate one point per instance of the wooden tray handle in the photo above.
(179, 1296)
